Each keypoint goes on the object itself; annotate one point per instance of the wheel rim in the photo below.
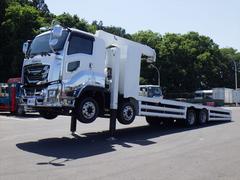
(191, 118)
(128, 113)
(203, 117)
(88, 110)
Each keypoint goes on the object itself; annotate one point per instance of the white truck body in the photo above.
(102, 67)
(224, 94)
(236, 96)
(130, 61)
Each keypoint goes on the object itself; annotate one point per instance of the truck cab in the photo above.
(203, 94)
(58, 64)
(152, 91)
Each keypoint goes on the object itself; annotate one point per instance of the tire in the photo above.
(191, 118)
(87, 110)
(153, 121)
(126, 113)
(20, 111)
(203, 117)
(47, 114)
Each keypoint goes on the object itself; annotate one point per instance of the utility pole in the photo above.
(235, 66)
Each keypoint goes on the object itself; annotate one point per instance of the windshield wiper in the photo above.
(39, 53)
(45, 54)
(32, 55)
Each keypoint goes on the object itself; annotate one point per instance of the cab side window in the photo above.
(80, 44)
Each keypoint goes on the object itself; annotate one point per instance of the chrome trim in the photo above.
(42, 96)
(83, 79)
(35, 73)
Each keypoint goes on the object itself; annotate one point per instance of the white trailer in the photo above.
(236, 96)
(225, 94)
(67, 71)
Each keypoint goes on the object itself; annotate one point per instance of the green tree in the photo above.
(111, 29)
(41, 6)
(228, 55)
(3, 5)
(21, 22)
(74, 21)
(149, 76)
(187, 62)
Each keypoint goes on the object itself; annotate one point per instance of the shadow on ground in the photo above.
(90, 144)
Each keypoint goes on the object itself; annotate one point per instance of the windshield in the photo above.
(40, 44)
(198, 95)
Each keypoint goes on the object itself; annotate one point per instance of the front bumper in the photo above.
(50, 96)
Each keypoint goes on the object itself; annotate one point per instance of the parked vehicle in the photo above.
(224, 94)
(150, 91)
(4, 97)
(205, 97)
(236, 96)
(71, 72)
(9, 96)
(203, 94)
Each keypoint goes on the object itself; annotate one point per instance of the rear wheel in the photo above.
(126, 113)
(203, 117)
(87, 110)
(191, 118)
(47, 114)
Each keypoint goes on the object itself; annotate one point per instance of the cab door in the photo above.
(79, 56)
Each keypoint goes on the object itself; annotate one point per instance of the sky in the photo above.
(218, 19)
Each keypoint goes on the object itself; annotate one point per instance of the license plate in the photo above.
(31, 101)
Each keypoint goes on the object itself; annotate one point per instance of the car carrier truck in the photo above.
(70, 72)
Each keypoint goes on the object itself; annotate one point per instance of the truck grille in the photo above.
(35, 73)
(33, 91)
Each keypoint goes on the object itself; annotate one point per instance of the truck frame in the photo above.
(71, 72)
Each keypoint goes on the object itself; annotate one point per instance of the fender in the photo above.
(97, 92)
(89, 89)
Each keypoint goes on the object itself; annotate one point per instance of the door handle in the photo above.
(90, 65)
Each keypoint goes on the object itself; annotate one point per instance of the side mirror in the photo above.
(25, 47)
(57, 31)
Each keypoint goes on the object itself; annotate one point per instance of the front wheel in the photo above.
(126, 113)
(47, 114)
(87, 110)
(20, 110)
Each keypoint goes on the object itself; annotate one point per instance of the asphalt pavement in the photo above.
(34, 148)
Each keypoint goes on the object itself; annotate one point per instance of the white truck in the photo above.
(203, 94)
(71, 72)
(225, 94)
